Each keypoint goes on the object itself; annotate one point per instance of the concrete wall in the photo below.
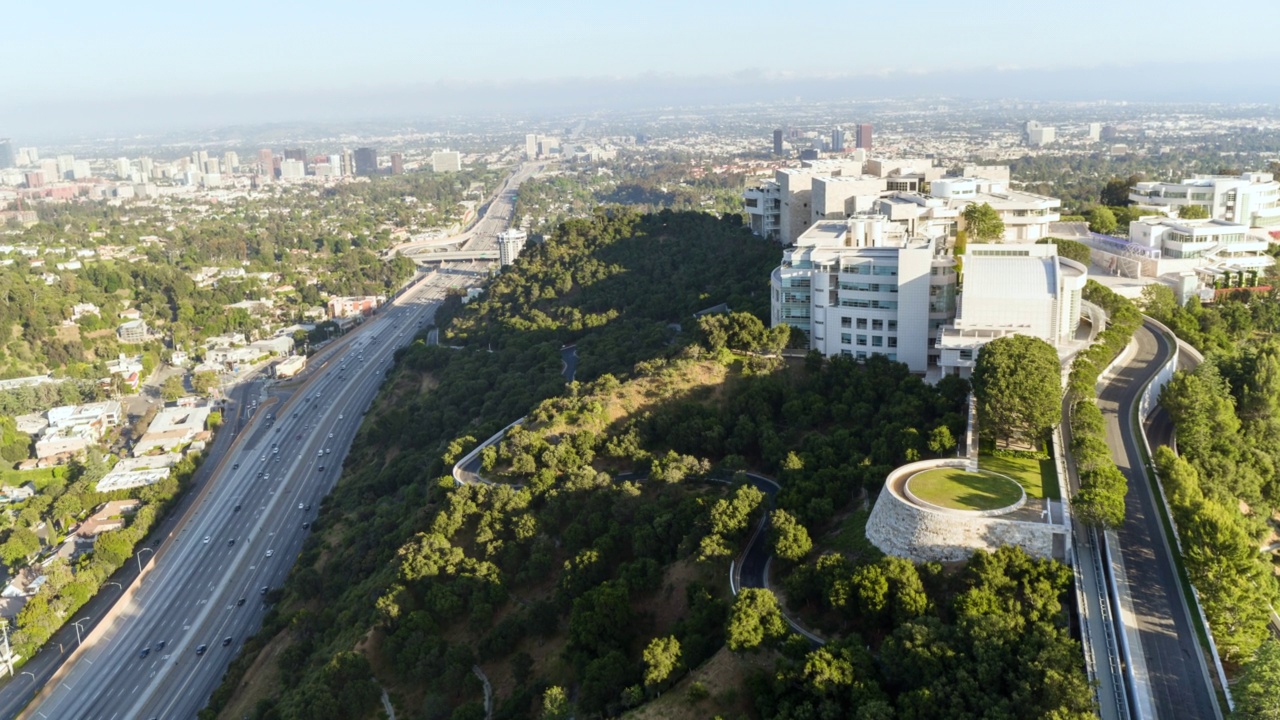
(905, 530)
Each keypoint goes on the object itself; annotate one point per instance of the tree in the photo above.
(1193, 212)
(1255, 692)
(941, 440)
(789, 539)
(1102, 220)
(555, 704)
(1116, 191)
(754, 620)
(205, 382)
(661, 658)
(983, 223)
(172, 389)
(1018, 383)
(21, 544)
(1158, 301)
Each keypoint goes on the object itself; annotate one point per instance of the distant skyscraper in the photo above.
(531, 146)
(49, 170)
(397, 164)
(446, 161)
(33, 154)
(266, 164)
(510, 243)
(299, 154)
(291, 169)
(366, 161)
(335, 165)
(34, 178)
(837, 140)
(862, 136)
(230, 161)
(123, 168)
(777, 141)
(1095, 131)
(64, 165)
(348, 162)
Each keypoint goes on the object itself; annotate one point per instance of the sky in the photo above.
(77, 62)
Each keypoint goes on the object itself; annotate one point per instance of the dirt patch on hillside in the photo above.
(723, 676)
(261, 681)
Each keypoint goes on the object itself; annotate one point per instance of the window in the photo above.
(893, 342)
(877, 341)
(862, 356)
(847, 353)
(966, 354)
(862, 323)
(846, 322)
(846, 339)
(877, 325)
(893, 326)
(862, 340)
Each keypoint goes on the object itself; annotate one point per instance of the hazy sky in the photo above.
(153, 54)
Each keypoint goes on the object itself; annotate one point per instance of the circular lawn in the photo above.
(961, 489)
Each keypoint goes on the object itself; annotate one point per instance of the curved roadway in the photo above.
(1176, 673)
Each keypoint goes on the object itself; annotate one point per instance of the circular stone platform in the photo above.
(964, 490)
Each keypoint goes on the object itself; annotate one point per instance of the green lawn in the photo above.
(964, 490)
(850, 538)
(1038, 477)
(40, 478)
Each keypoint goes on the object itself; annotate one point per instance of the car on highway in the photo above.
(299, 506)
(330, 436)
(236, 508)
(160, 645)
(206, 539)
(263, 591)
(339, 416)
(231, 542)
(270, 553)
(327, 451)
(145, 652)
(236, 466)
(200, 650)
(226, 641)
(306, 525)
(319, 452)
(320, 469)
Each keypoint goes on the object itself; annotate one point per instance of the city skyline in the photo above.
(616, 59)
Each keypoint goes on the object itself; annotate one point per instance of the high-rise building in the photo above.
(510, 243)
(49, 170)
(1041, 136)
(123, 168)
(446, 161)
(148, 168)
(291, 169)
(397, 163)
(299, 154)
(366, 160)
(64, 165)
(7, 157)
(862, 136)
(211, 166)
(34, 178)
(80, 170)
(335, 165)
(1095, 131)
(531, 146)
(837, 139)
(777, 141)
(33, 155)
(230, 161)
(266, 164)
(348, 162)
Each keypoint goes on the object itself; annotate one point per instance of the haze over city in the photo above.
(154, 65)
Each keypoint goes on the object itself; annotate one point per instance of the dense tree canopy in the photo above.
(1017, 380)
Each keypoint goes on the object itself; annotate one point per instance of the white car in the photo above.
(319, 452)
(331, 436)
(206, 539)
(339, 416)
(327, 451)
(299, 506)
(270, 553)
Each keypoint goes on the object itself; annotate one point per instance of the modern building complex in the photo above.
(510, 243)
(1012, 290)
(870, 285)
(904, 189)
(865, 286)
(1184, 239)
(1251, 199)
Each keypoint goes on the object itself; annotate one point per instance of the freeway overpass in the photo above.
(451, 256)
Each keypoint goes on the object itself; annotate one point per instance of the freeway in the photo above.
(18, 691)
(1172, 667)
(483, 234)
(166, 644)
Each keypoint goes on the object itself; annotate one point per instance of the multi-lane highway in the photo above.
(165, 645)
(483, 234)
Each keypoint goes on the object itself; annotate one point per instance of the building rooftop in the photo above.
(1011, 278)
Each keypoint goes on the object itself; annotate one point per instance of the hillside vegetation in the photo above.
(592, 578)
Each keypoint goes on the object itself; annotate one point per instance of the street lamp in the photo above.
(78, 628)
(33, 675)
(138, 557)
(113, 582)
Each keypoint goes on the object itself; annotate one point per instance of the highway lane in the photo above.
(15, 694)
(1176, 671)
(190, 595)
(482, 235)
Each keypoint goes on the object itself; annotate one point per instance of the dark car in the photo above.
(231, 542)
(145, 652)
(226, 641)
(237, 509)
(236, 466)
(200, 650)
(160, 645)
(320, 469)
(240, 602)
(306, 525)
(263, 591)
